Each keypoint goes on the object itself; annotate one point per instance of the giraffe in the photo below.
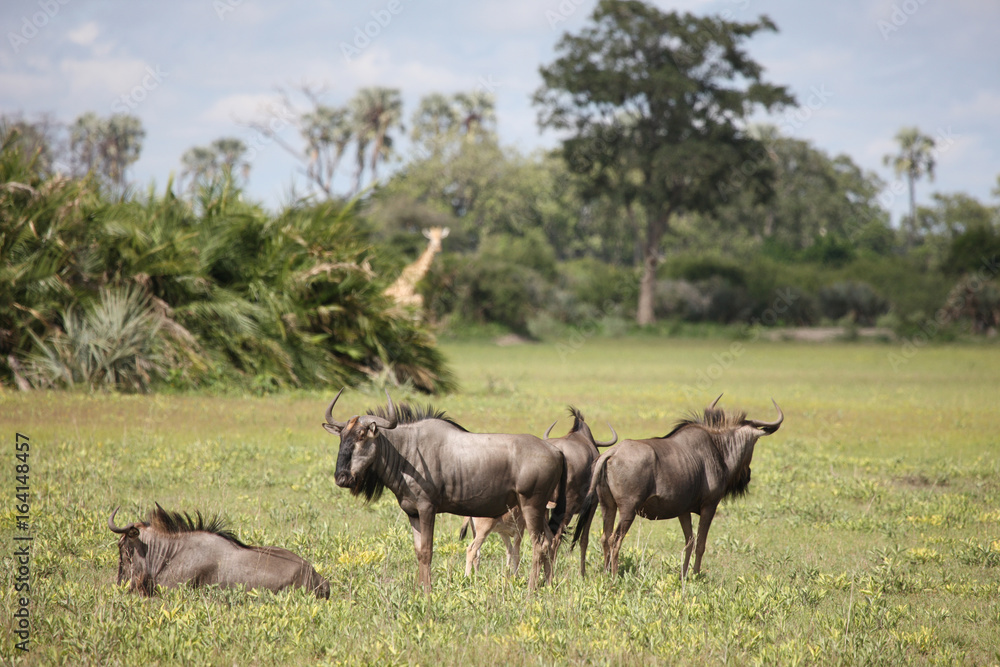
(403, 291)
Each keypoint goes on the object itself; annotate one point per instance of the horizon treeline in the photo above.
(661, 205)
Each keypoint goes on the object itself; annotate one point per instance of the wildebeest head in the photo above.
(358, 446)
(132, 552)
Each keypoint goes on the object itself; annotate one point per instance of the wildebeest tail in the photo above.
(557, 519)
(589, 506)
(464, 530)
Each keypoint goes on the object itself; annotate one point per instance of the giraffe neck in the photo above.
(411, 275)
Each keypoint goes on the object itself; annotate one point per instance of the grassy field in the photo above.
(871, 534)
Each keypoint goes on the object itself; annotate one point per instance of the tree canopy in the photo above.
(655, 106)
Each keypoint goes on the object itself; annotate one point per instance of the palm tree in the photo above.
(199, 165)
(121, 146)
(915, 158)
(376, 112)
(434, 120)
(106, 146)
(327, 132)
(231, 154)
(477, 114)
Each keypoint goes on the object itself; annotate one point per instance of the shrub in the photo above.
(855, 300)
(975, 302)
(114, 345)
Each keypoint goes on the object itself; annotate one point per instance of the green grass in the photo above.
(871, 534)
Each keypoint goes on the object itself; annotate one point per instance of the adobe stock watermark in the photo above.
(579, 335)
(562, 12)
(898, 16)
(723, 361)
(487, 84)
(31, 25)
(363, 35)
(266, 132)
(151, 80)
(988, 270)
(223, 7)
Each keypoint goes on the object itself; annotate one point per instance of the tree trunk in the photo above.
(651, 260)
(912, 234)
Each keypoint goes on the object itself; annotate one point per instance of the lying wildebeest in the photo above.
(172, 549)
(432, 465)
(579, 447)
(691, 469)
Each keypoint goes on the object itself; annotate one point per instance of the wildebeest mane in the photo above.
(410, 414)
(577, 416)
(715, 419)
(721, 424)
(176, 522)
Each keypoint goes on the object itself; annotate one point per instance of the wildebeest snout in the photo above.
(343, 478)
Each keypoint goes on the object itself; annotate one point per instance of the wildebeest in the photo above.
(432, 465)
(691, 469)
(172, 549)
(579, 447)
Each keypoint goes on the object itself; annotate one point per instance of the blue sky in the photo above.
(196, 71)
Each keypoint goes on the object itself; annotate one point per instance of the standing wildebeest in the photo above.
(579, 447)
(432, 465)
(691, 469)
(172, 549)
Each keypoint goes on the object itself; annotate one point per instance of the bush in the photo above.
(114, 345)
(976, 302)
(250, 298)
(854, 300)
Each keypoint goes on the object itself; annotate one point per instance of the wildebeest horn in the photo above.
(610, 442)
(769, 427)
(111, 523)
(329, 411)
(382, 422)
(549, 429)
(712, 406)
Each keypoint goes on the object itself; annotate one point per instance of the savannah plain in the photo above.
(870, 535)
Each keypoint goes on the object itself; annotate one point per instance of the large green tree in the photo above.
(660, 101)
(818, 200)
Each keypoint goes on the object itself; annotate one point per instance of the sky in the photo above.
(197, 71)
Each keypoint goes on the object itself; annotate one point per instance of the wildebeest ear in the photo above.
(372, 427)
(332, 428)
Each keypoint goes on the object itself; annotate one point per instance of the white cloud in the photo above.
(85, 34)
(240, 107)
(985, 106)
(101, 76)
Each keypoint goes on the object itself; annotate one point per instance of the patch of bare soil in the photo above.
(827, 334)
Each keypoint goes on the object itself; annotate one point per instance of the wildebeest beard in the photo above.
(368, 483)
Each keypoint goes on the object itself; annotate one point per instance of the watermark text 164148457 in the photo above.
(22, 542)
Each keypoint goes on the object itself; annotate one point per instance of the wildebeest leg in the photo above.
(512, 557)
(541, 541)
(586, 520)
(685, 520)
(423, 545)
(608, 510)
(481, 527)
(704, 523)
(626, 516)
